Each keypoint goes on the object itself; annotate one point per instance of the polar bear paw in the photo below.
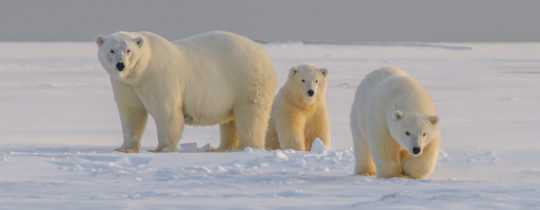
(127, 150)
(164, 149)
(367, 174)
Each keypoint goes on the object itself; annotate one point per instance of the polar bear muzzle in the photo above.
(310, 92)
(120, 66)
(416, 150)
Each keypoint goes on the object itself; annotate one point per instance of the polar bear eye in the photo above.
(128, 51)
(112, 51)
(424, 134)
(316, 81)
(303, 81)
(407, 133)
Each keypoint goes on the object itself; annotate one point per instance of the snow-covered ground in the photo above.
(59, 125)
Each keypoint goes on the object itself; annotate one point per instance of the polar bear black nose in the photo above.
(416, 150)
(310, 92)
(120, 66)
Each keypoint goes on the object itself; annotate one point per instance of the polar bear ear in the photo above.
(100, 40)
(324, 71)
(398, 115)
(433, 119)
(139, 40)
(292, 71)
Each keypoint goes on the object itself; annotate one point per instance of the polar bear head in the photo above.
(307, 83)
(121, 54)
(413, 131)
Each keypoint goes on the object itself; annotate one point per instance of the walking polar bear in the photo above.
(212, 78)
(394, 126)
(299, 113)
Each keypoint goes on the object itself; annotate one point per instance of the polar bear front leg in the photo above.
(364, 161)
(133, 117)
(133, 123)
(422, 166)
(169, 127)
(325, 137)
(387, 157)
(291, 132)
(320, 129)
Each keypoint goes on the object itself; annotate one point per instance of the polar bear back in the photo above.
(385, 90)
(223, 58)
(214, 51)
(393, 86)
(216, 71)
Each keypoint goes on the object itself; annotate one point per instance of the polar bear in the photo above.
(299, 113)
(394, 126)
(207, 79)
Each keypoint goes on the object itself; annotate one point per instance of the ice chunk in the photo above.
(248, 149)
(188, 147)
(318, 147)
(281, 155)
(205, 148)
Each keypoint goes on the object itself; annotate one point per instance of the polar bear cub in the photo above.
(394, 126)
(299, 113)
(208, 79)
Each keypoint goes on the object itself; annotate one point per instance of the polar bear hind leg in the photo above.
(228, 136)
(251, 124)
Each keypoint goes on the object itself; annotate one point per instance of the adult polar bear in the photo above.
(394, 126)
(212, 78)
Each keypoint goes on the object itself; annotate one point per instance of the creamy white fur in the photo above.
(391, 114)
(212, 78)
(298, 119)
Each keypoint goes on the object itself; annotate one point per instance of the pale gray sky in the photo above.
(275, 20)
